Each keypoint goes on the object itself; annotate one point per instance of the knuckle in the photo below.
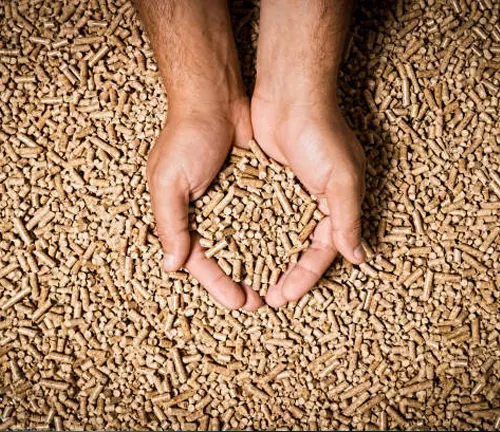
(321, 246)
(349, 228)
(175, 230)
(159, 173)
(158, 177)
(356, 226)
(165, 244)
(353, 231)
(349, 178)
(176, 234)
(153, 166)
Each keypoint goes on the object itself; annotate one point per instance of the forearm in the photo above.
(194, 48)
(306, 42)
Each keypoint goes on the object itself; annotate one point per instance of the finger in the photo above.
(216, 282)
(170, 207)
(344, 201)
(312, 259)
(274, 296)
(302, 276)
(253, 299)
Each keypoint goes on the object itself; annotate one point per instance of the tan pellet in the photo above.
(53, 384)
(428, 284)
(216, 248)
(285, 204)
(259, 154)
(15, 298)
(416, 387)
(179, 365)
(99, 55)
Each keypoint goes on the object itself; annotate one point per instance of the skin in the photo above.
(293, 114)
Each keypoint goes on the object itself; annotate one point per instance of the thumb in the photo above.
(344, 196)
(170, 207)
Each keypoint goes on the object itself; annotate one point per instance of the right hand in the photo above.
(315, 141)
(186, 157)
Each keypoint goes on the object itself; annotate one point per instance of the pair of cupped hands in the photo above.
(313, 139)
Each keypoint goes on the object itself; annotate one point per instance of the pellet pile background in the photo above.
(94, 336)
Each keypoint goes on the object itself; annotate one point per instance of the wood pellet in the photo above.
(95, 336)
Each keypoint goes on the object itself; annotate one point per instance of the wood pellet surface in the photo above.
(94, 336)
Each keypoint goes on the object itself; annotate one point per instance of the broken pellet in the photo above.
(356, 403)
(54, 384)
(224, 202)
(217, 197)
(307, 230)
(167, 401)
(112, 151)
(275, 274)
(250, 182)
(255, 392)
(396, 415)
(428, 284)
(413, 277)
(99, 55)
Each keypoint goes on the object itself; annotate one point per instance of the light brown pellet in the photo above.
(428, 284)
(23, 232)
(216, 248)
(285, 204)
(179, 365)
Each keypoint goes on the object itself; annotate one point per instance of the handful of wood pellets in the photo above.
(255, 218)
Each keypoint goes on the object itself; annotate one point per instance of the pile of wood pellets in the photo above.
(256, 213)
(93, 335)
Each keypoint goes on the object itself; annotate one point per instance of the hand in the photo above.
(208, 112)
(187, 156)
(318, 145)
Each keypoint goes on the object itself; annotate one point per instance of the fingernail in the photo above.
(168, 262)
(359, 253)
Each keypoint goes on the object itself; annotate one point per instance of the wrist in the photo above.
(219, 91)
(208, 81)
(185, 106)
(313, 100)
(288, 79)
(301, 90)
(230, 115)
